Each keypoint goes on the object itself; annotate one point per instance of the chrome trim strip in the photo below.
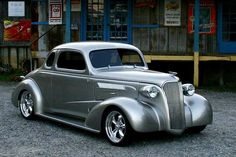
(76, 102)
(111, 86)
(68, 123)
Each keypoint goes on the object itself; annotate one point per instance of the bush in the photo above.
(11, 75)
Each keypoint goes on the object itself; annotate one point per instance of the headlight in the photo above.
(188, 89)
(150, 91)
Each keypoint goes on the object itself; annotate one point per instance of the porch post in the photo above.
(83, 19)
(68, 21)
(196, 42)
(42, 29)
(130, 17)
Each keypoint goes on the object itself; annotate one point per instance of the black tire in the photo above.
(196, 129)
(116, 128)
(26, 104)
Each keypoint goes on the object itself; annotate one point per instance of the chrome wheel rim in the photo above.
(26, 104)
(115, 126)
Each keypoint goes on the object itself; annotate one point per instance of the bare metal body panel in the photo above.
(80, 98)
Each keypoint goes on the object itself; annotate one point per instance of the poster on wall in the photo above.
(16, 8)
(55, 12)
(172, 12)
(17, 30)
(207, 18)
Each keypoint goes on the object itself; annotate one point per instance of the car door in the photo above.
(72, 89)
(44, 81)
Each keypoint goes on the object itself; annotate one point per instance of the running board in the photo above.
(68, 121)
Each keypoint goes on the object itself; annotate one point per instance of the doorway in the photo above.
(108, 20)
(227, 27)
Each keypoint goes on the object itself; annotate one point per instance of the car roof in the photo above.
(89, 46)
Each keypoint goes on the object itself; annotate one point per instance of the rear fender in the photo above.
(31, 86)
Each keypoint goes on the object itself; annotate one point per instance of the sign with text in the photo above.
(172, 12)
(16, 8)
(55, 12)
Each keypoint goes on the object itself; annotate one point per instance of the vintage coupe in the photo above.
(107, 87)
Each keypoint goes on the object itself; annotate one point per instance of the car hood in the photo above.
(138, 75)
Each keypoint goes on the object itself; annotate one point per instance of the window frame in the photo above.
(224, 47)
(117, 49)
(54, 60)
(70, 70)
(49, 55)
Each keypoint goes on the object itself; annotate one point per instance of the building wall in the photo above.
(147, 30)
(17, 52)
(167, 39)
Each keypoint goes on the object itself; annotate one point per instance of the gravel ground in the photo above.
(40, 137)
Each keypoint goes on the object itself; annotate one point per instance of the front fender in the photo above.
(31, 86)
(141, 117)
(199, 111)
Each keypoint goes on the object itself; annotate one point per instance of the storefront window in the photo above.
(107, 20)
(118, 20)
(229, 22)
(95, 20)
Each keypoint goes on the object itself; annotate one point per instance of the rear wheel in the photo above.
(117, 128)
(27, 105)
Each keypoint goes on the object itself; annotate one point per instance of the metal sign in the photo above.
(172, 13)
(16, 8)
(55, 12)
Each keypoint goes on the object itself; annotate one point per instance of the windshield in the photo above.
(115, 57)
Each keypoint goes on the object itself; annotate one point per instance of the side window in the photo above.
(50, 59)
(71, 60)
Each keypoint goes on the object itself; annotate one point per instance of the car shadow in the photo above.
(137, 139)
(161, 137)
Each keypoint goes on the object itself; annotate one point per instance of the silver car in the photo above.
(107, 88)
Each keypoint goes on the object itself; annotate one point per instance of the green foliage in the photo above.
(13, 75)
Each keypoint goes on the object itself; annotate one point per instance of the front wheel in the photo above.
(27, 105)
(117, 128)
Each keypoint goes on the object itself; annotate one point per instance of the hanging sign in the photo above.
(207, 17)
(55, 12)
(172, 12)
(16, 8)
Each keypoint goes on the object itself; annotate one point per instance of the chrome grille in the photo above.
(174, 97)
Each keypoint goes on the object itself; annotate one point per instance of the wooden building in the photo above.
(165, 30)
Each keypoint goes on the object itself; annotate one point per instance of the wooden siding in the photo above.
(13, 53)
(167, 40)
(15, 56)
